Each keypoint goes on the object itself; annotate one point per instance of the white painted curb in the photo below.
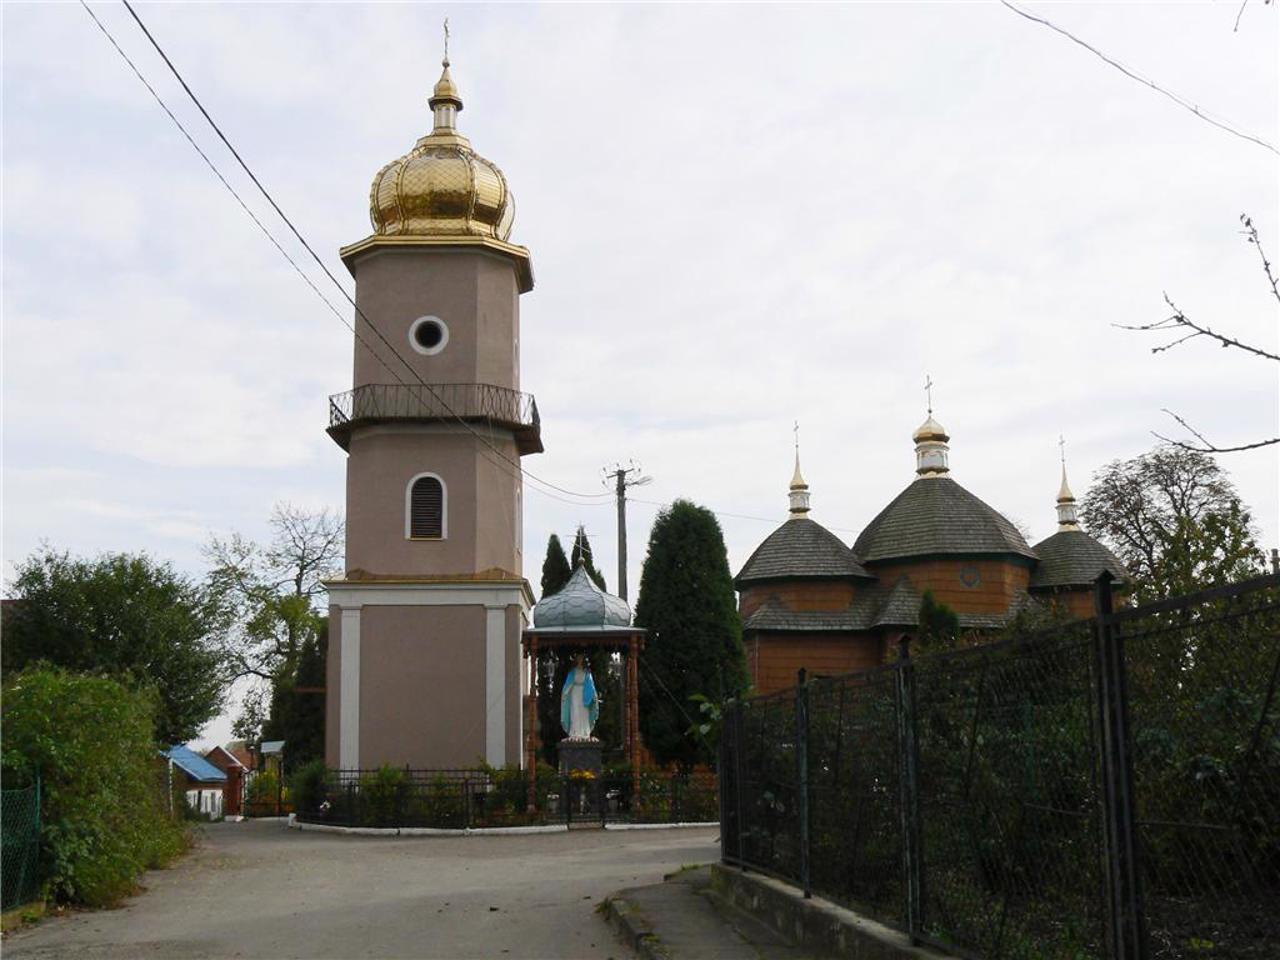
(295, 824)
(658, 826)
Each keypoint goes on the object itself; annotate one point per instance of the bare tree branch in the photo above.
(1208, 447)
(1180, 321)
(1252, 233)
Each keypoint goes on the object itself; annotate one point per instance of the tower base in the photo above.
(425, 674)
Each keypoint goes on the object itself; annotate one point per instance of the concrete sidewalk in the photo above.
(683, 918)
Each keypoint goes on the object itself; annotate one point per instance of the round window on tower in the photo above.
(428, 335)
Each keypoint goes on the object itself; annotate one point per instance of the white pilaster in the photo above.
(495, 685)
(349, 691)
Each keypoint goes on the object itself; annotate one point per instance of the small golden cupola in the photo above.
(442, 187)
(931, 448)
(931, 441)
(1067, 516)
(798, 493)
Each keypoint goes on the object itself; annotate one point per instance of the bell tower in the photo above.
(424, 667)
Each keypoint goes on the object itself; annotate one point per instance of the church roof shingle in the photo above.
(935, 515)
(1072, 558)
(800, 548)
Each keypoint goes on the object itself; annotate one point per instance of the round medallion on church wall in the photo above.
(970, 575)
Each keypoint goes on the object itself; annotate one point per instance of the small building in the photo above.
(201, 784)
(273, 756)
(237, 778)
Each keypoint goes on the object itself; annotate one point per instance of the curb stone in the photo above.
(634, 928)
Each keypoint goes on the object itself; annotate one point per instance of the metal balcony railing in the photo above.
(470, 402)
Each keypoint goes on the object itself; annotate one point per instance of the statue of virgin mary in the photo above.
(579, 704)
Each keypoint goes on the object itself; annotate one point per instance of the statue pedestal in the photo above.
(581, 769)
(580, 755)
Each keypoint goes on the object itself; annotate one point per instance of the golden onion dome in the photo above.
(931, 429)
(442, 188)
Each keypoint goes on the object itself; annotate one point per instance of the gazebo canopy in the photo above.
(581, 607)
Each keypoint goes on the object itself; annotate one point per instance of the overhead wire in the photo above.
(519, 469)
(1145, 81)
(593, 499)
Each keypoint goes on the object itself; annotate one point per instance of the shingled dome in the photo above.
(936, 516)
(581, 605)
(800, 548)
(1072, 558)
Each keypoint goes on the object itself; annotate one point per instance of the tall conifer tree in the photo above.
(582, 552)
(555, 568)
(688, 605)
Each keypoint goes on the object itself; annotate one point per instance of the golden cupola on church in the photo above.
(443, 191)
(442, 187)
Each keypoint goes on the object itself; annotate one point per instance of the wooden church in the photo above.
(808, 600)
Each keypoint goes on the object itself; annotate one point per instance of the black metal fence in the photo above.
(1107, 788)
(464, 799)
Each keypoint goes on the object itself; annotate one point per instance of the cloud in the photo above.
(739, 217)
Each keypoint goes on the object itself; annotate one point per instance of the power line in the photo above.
(307, 246)
(276, 243)
(1133, 75)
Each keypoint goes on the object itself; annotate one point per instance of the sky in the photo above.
(740, 217)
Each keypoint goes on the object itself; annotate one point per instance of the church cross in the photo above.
(928, 392)
(446, 41)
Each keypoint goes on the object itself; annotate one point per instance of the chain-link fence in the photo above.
(1106, 788)
(19, 846)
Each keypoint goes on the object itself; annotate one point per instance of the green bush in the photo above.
(384, 795)
(307, 786)
(105, 805)
(264, 787)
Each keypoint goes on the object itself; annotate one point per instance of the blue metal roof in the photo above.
(194, 765)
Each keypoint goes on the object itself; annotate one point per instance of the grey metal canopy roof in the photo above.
(801, 548)
(935, 515)
(1072, 558)
(581, 605)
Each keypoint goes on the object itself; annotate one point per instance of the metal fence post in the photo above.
(739, 766)
(909, 759)
(802, 776)
(1126, 917)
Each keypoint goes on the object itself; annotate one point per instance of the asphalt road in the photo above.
(257, 889)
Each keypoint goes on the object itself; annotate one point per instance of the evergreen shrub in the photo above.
(307, 786)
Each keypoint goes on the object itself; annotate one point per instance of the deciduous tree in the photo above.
(1174, 519)
(274, 589)
(128, 616)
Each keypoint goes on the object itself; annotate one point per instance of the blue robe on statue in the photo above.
(579, 705)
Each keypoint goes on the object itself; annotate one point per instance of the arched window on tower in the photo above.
(425, 508)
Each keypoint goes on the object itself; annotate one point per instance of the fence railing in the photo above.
(477, 798)
(19, 846)
(482, 402)
(1106, 788)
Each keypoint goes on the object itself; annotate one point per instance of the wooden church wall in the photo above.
(775, 658)
(967, 586)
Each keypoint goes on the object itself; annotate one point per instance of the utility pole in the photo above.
(624, 477)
